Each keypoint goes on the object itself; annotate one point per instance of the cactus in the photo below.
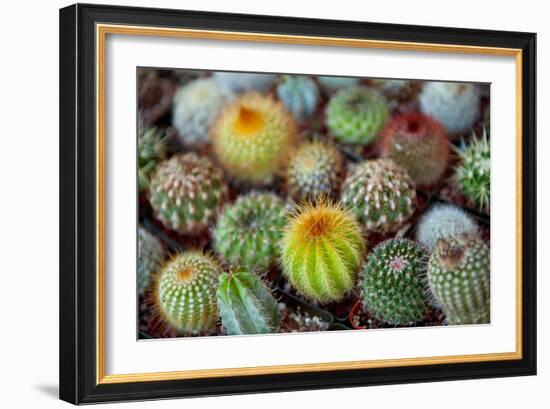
(443, 221)
(299, 94)
(380, 194)
(185, 293)
(355, 115)
(252, 138)
(246, 305)
(455, 105)
(321, 251)
(247, 231)
(314, 169)
(473, 173)
(459, 278)
(332, 84)
(239, 82)
(194, 108)
(186, 192)
(151, 150)
(393, 286)
(419, 144)
(395, 89)
(149, 260)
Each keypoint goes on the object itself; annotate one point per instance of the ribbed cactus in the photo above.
(355, 115)
(455, 105)
(395, 89)
(419, 144)
(149, 260)
(195, 106)
(185, 293)
(473, 173)
(186, 192)
(443, 221)
(394, 286)
(332, 84)
(252, 138)
(242, 81)
(459, 278)
(246, 305)
(321, 251)
(247, 232)
(380, 194)
(299, 94)
(151, 150)
(314, 169)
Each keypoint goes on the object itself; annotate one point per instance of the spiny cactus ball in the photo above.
(186, 192)
(395, 89)
(355, 115)
(380, 194)
(321, 251)
(151, 150)
(332, 84)
(195, 106)
(239, 82)
(459, 278)
(419, 144)
(394, 287)
(150, 256)
(252, 137)
(299, 94)
(246, 305)
(443, 221)
(247, 232)
(185, 293)
(473, 173)
(455, 105)
(314, 169)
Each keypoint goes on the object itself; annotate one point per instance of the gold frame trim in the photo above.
(102, 30)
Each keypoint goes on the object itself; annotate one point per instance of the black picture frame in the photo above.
(78, 363)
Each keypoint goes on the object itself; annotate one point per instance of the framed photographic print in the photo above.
(257, 203)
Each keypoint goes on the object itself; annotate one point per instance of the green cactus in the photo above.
(185, 293)
(246, 305)
(247, 231)
(394, 285)
(321, 251)
(150, 256)
(355, 115)
(186, 192)
(459, 278)
(380, 194)
(151, 150)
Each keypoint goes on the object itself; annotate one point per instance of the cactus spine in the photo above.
(151, 150)
(150, 256)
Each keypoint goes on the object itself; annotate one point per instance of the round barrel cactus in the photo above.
(419, 144)
(152, 148)
(459, 278)
(380, 194)
(321, 251)
(332, 84)
(247, 231)
(186, 192)
(355, 115)
(299, 94)
(246, 304)
(239, 82)
(252, 138)
(393, 285)
(185, 293)
(149, 260)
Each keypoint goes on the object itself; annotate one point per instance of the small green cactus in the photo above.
(246, 305)
(473, 174)
(185, 293)
(299, 94)
(151, 150)
(380, 194)
(393, 286)
(314, 169)
(186, 192)
(355, 115)
(321, 251)
(459, 278)
(150, 257)
(247, 231)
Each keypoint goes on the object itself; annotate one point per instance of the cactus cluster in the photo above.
(332, 84)
(355, 115)
(393, 284)
(152, 149)
(186, 192)
(240, 82)
(247, 231)
(299, 94)
(459, 277)
(380, 194)
(150, 256)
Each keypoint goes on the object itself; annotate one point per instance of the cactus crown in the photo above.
(152, 149)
